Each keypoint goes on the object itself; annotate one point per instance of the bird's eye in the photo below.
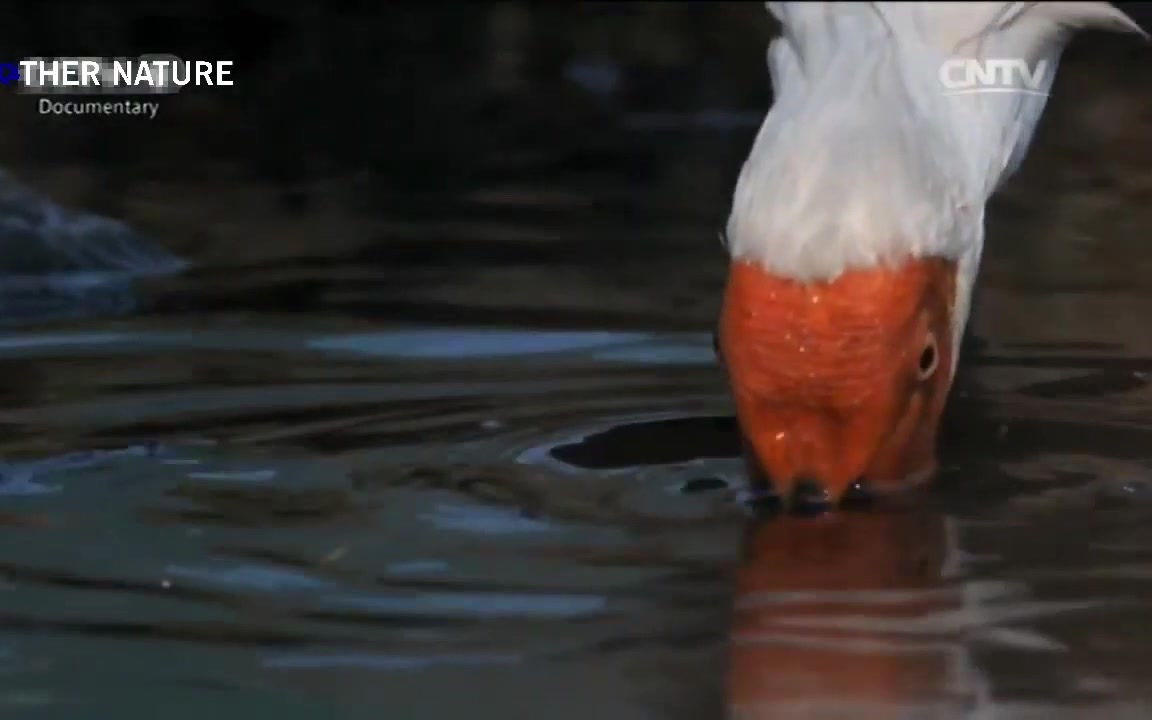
(929, 358)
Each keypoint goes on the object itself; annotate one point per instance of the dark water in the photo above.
(487, 468)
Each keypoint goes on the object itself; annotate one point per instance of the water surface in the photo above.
(487, 467)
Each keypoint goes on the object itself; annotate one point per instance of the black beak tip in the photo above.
(809, 498)
(858, 496)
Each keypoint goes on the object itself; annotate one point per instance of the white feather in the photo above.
(864, 159)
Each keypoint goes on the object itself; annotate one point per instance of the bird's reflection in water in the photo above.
(833, 618)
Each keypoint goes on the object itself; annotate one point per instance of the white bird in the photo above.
(857, 225)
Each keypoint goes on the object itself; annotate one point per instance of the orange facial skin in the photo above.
(792, 656)
(842, 381)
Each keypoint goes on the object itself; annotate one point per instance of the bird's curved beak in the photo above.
(839, 384)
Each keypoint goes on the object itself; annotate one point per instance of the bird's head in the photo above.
(841, 382)
(857, 227)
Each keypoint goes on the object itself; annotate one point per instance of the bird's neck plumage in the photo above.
(865, 158)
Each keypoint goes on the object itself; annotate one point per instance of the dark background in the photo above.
(610, 122)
